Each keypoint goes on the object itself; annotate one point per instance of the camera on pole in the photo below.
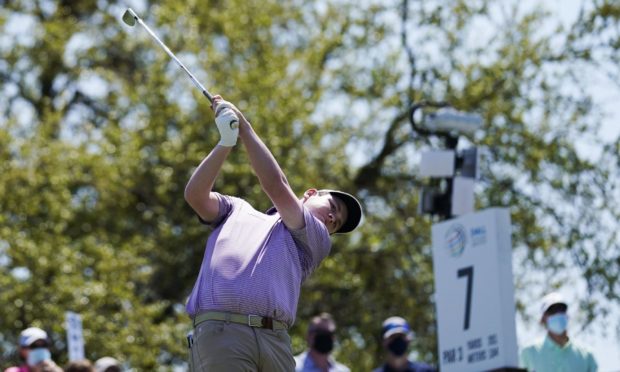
(452, 172)
(451, 121)
(472, 250)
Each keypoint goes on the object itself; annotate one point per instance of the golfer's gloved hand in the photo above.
(227, 124)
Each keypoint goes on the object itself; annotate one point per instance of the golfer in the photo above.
(245, 298)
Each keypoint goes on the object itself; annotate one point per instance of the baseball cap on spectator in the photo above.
(107, 364)
(30, 335)
(553, 298)
(395, 325)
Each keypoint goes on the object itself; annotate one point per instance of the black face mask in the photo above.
(323, 342)
(398, 346)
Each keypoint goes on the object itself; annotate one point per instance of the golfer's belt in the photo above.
(249, 320)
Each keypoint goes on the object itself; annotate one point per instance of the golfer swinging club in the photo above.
(245, 297)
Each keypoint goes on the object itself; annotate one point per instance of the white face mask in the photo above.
(38, 355)
(557, 323)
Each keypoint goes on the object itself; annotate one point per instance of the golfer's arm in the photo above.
(198, 190)
(272, 179)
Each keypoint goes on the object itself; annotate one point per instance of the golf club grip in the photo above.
(208, 95)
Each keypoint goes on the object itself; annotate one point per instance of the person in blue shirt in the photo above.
(556, 352)
(397, 336)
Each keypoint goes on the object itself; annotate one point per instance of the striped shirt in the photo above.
(253, 264)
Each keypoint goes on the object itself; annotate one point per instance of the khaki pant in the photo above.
(221, 346)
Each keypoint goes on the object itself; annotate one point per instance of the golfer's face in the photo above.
(328, 209)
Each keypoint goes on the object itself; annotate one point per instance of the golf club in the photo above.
(130, 18)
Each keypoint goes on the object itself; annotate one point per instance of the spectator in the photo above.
(34, 352)
(107, 364)
(556, 352)
(320, 338)
(396, 335)
(83, 365)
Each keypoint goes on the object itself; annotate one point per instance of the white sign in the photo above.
(474, 292)
(75, 339)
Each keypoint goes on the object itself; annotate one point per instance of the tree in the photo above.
(101, 131)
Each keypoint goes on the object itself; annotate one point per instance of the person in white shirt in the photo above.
(320, 338)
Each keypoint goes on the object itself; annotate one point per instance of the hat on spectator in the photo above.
(30, 335)
(395, 325)
(551, 299)
(102, 364)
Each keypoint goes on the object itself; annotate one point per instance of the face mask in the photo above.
(557, 323)
(323, 342)
(398, 346)
(38, 355)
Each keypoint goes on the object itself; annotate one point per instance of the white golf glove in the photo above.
(227, 124)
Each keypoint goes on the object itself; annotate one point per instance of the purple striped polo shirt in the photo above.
(253, 264)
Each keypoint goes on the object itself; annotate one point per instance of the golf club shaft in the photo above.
(205, 92)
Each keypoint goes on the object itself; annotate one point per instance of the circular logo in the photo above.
(455, 240)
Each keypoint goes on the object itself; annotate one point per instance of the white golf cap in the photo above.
(550, 300)
(30, 335)
(395, 325)
(102, 364)
(354, 210)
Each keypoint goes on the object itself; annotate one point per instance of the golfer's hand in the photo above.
(226, 120)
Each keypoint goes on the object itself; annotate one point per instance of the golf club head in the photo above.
(130, 17)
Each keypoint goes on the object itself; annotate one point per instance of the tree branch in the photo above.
(369, 173)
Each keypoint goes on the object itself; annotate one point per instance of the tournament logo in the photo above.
(478, 235)
(456, 240)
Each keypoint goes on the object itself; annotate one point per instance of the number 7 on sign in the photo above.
(469, 273)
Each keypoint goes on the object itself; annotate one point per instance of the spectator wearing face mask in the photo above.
(397, 335)
(34, 352)
(556, 352)
(320, 338)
